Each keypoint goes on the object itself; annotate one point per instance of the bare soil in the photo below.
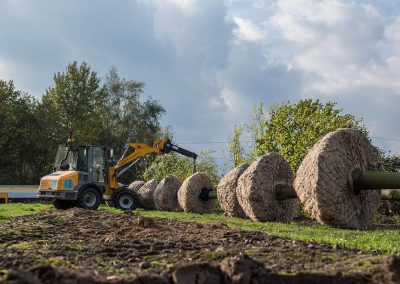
(80, 246)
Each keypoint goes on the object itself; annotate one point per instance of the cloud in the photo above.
(339, 45)
(246, 30)
(208, 62)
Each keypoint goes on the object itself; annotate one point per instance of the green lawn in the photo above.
(380, 241)
(11, 210)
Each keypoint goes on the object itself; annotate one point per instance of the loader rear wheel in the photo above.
(63, 204)
(125, 199)
(88, 198)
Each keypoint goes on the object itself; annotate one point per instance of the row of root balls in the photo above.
(173, 195)
(249, 191)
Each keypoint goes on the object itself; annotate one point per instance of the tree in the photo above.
(181, 167)
(76, 103)
(292, 129)
(128, 118)
(20, 143)
(391, 162)
(236, 149)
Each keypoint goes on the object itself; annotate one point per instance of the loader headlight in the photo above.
(53, 184)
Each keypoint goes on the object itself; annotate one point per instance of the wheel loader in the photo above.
(85, 175)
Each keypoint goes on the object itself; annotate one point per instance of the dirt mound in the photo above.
(107, 247)
(46, 274)
(199, 273)
(242, 269)
(388, 272)
(231, 270)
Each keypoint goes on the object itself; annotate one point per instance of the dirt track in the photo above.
(111, 247)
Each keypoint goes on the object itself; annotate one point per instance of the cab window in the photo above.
(98, 165)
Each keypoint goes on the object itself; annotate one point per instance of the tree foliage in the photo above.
(127, 118)
(291, 129)
(181, 167)
(77, 101)
(236, 149)
(20, 148)
(391, 162)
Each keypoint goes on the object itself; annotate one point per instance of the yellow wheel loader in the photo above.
(85, 175)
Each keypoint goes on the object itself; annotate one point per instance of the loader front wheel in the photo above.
(88, 198)
(125, 199)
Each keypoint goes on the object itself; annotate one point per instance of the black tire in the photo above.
(88, 198)
(63, 204)
(125, 199)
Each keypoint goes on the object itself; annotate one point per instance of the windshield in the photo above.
(71, 159)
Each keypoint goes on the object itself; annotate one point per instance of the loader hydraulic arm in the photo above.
(168, 147)
(136, 151)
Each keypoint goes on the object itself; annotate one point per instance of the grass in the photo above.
(12, 210)
(379, 241)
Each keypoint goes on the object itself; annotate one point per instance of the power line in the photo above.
(213, 142)
(251, 141)
(383, 138)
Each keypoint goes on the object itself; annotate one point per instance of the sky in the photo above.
(208, 62)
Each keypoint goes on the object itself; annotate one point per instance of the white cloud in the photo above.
(333, 41)
(184, 5)
(246, 30)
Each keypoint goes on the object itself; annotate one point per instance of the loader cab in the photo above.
(91, 162)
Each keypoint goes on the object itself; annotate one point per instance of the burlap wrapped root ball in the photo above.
(136, 185)
(146, 195)
(188, 194)
(324, 185)
(166, 194)
(226, 192)
(256, 191)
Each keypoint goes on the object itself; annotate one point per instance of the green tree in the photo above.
(128, 118)
(76, 104)
(292, 129)
(236, 149)
(20, 144)
(181, 167)
(391, 162)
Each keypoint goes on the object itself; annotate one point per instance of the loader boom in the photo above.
(135, 152)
